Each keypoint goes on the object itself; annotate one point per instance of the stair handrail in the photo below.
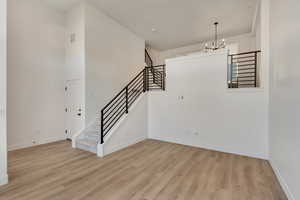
(112, 112)
(148, 59)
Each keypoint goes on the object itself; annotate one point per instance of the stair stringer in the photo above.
(131, 128)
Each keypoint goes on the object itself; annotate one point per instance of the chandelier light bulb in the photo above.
(216, 44)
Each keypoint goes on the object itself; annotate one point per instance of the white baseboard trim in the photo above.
(281, 180)
(214, 148)
(29, 143)
(3, 179)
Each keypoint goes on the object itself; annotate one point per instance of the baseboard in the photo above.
(281, 180)
(3, 179)
(29, 143)
(213, 148)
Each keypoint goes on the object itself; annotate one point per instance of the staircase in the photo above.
(150, 78)
(89, 137)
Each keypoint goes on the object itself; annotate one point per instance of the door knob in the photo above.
(79, 114)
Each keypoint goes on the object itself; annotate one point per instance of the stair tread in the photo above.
(93, 132)
(93, 128)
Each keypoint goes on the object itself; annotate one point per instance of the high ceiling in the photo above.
(62, 5)
(177, 23)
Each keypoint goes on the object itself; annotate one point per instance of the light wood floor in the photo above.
(146, 171)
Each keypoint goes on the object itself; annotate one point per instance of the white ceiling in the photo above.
(61, 5)
(177, 22)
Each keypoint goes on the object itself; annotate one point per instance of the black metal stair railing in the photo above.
(156, 77)
(243, 70)
(150, 78)
(148, 59)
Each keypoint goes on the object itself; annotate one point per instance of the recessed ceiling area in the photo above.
(176, 22)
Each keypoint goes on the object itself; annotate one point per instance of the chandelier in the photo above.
(215, 45)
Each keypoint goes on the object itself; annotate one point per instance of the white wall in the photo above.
(36, 57)
(258, 28)
(131, 129)
(3, 140)
(114, 55)
(209, 115)
(284, 93)
(75, 50)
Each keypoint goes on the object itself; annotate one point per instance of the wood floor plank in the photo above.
(149, 170)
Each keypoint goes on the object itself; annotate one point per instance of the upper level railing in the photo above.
(155, 77)
(149, 78)
(243, 70)
(148, 59)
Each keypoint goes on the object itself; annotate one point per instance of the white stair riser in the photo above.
(92, 137)
(92, 149)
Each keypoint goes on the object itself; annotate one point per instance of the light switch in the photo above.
(180, 97)
(72, 37)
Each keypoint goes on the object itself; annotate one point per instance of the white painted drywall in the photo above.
(114, 55)
(3, 140)
(75, 49)
(258, 29)
(284, 93)
(132, 129)
(36, 58)
(197, 108)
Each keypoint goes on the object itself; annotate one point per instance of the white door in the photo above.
(74, 107)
